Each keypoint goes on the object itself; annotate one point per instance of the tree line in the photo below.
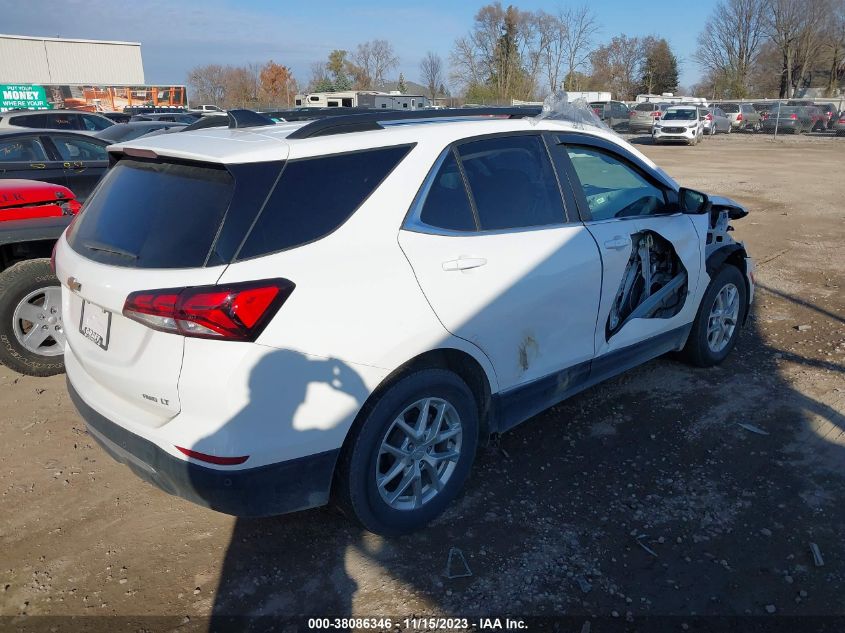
(746, 47)
(772, 48)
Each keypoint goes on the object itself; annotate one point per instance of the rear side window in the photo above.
(94, 123)
(314, 196)
(512, 182)
(33, 120)
(446, 203)
(153, 215)
(77, 149)
(21, 150)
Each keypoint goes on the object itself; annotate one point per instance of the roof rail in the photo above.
(247, 118)
(338, 122)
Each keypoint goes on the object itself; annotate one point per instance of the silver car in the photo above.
(715, 121)
(743, 116)
(645, 114)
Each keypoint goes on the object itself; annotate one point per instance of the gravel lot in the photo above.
(639, 497)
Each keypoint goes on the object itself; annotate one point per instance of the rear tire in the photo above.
(29, 288)
(717, 323)
(382, 454)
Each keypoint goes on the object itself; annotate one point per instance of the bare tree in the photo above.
(431, 73)
(796, 29)
(580, 26)
(834, 45)
(207, 84)
(617, 65)
(730, 41)
(375, 59)
(552, 36)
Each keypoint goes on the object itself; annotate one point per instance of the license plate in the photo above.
(95, 324)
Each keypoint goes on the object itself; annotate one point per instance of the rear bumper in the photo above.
(273, 489)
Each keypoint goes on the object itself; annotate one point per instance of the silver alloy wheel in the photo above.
(724, 315)
(418, 454)
(37, 322)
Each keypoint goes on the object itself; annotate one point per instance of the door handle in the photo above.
(464, 263)
(618, 242)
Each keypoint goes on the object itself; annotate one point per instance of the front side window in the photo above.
(94, 123)
(446, 203)
(74, 149)
(314, 196)
(512, 182)
(21, 150)
(613, 188)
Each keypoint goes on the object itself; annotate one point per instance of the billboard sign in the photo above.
(89, 97)
(26, 97)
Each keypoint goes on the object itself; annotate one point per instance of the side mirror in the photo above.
(693, 202)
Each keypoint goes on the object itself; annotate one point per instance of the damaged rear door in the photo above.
(651, 253)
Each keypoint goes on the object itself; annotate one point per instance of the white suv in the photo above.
(266, 319)
(680, 123)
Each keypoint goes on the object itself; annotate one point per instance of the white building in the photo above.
(51, 60)
(363, 99)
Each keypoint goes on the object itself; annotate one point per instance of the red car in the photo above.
(33, 215)
(26, 199)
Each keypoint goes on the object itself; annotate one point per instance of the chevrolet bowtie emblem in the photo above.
(73, 284)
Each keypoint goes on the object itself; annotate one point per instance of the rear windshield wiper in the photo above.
(114, 250)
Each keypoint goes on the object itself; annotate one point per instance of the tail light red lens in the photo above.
(232, 312)
(739, 117)
(794, 117)
(709, 117)
(656, 114)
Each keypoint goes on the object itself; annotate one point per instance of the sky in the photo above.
(177, 35)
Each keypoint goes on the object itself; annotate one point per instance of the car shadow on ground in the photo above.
(667, 490)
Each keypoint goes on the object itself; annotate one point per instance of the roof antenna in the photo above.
(247, 118)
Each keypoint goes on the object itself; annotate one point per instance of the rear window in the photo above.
(314, 196)
(731, 108)
(644, 107)
(153, 215)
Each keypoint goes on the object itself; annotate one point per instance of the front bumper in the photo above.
(687, 136)
(273, 489)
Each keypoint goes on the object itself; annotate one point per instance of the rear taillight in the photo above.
(656, 114)
(739, 117)
(709, 117)
(231, 312)
(842, 120)
(794, 117)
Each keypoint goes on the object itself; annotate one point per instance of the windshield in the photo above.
(680, 115)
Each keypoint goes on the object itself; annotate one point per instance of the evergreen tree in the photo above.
(659, 69)
(402, 86)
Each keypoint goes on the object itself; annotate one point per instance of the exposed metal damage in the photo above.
(654, 284)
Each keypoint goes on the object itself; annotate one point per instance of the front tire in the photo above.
(411, 455)
(31, 331)
(717, 323)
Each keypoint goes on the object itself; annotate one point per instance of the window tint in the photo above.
(731, 108)
(644, 107)
(74, 149)
(614, 189)
(512, 182)
(21, 150)
(153, 215)
(33, 120)
(446, 203)
(315, 196)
